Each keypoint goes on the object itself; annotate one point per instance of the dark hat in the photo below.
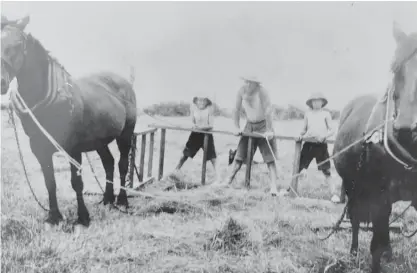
(207, 100)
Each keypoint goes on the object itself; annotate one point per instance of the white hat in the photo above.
(316, 96)
(251, 79)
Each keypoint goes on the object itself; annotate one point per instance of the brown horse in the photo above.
(81, 115)
(382, 169)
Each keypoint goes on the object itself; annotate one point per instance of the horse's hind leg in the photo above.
(77, 185)
(108, 164)
(124, 144)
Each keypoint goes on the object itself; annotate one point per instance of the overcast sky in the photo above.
(202, 48)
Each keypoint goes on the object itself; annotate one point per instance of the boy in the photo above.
(202, 118)
(317, 129)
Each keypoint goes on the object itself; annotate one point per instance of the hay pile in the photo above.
(233, 239)
(176, 182)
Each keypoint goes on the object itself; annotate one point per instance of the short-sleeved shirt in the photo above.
(317, 126)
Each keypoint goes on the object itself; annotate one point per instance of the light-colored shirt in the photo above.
(202, 118)
(317, 124)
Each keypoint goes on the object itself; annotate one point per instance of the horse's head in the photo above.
(13, 50)
(404, 68)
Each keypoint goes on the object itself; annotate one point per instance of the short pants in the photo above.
(196, 142)
(318, 151)
(262, 143)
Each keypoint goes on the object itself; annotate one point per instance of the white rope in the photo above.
(48, 136)
(328, 159)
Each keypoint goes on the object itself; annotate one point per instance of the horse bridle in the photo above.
(8, 62)
(381, 135)
(389, 115)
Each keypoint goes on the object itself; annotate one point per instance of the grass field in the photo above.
(198, 230)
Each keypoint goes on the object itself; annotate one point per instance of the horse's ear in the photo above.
(399, 35)
(22, 23)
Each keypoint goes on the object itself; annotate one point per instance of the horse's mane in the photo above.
(39, 46)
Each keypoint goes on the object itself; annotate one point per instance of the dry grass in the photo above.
(193, 229)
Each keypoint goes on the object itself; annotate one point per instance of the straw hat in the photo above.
(251, 79)
(316, 96)
(206, 99)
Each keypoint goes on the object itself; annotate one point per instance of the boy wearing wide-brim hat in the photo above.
(254, 99)
(202, 116)
(317, 129)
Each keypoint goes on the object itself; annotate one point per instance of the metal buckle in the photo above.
(375, 137)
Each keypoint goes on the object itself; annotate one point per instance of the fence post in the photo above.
(142, 157)
(248, 163)
(295, 167)
(150, 160)
(161, 154)
(204, 166)
(132, 160)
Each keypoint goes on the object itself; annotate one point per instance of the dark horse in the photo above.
(382, 169)
(81, 115)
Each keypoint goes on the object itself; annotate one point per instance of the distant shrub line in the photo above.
(182, 109)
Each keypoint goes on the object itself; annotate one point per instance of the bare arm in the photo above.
(305, 126)
(266, 102)
(330, 128)
(211, 117)
(238, 107)
(192, 114)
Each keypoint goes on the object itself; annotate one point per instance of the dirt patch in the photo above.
(176, 183)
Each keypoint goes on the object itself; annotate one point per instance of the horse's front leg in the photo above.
(77, 185)
(380, 244)
(44, 158)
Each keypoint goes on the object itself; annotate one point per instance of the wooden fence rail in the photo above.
(132, 158)
(163, 128)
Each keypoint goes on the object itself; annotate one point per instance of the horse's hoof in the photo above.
(83, 221)
(54, 219)
(108, 199)
(354, 253)
(122, 202)
(122, 199)
(387, 255)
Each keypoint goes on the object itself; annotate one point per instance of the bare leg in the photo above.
(108, 164)
(332, 188)
(273, 177)
(77, 185)
(181, 162)
(236, 167)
